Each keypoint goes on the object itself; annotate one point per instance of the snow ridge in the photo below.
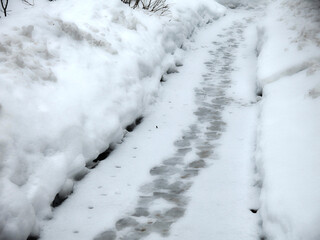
(73, 76)
(288, 140)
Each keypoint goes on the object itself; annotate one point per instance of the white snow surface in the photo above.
(289, 39)
(222, 194)
(288, 147)
(112, 189)
(73, 75)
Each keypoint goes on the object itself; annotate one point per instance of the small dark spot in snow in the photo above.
(131, 127)
(253, 210)
(172, 70)
(33, 238)
(90, 207)
(139, 120)
(232, 6)
(179, 64)
(104, 154)
(58, 200)
(89, 165)
(260, 93)
(75, 231)
(157, 127)
(118, 166)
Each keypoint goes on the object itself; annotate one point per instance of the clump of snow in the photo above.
(289, 141)
(73, 75)
(17, 216)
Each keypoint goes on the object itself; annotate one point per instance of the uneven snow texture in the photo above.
(288, 148)
(73, 75)
(289, 39)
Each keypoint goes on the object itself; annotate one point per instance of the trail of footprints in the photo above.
(163, 201)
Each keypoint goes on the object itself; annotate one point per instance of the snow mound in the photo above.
(289, 39)
(73, 75)
(288, 135)
(290, 150)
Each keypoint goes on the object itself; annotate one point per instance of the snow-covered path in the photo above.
(187, 172)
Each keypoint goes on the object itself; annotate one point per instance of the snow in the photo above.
(17, 217)
(113, 191)
(73, 75)
(290, 148)
(224, 192)
(107, 201)
(289, 40)
(288, 132)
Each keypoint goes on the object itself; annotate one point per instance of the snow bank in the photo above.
(289, 39)
(290, 145)
(288, 141)
(73, 75)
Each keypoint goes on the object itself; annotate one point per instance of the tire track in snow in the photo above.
(174, 176)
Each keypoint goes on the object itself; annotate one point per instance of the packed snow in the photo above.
(223, 196)
(229, 146)
(188, 151)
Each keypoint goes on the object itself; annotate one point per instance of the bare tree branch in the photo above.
(156, 6)
(4, 5)
(28, 3)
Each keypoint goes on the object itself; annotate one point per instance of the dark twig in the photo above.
(28, 3)
(4, 6)
(156, 6)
